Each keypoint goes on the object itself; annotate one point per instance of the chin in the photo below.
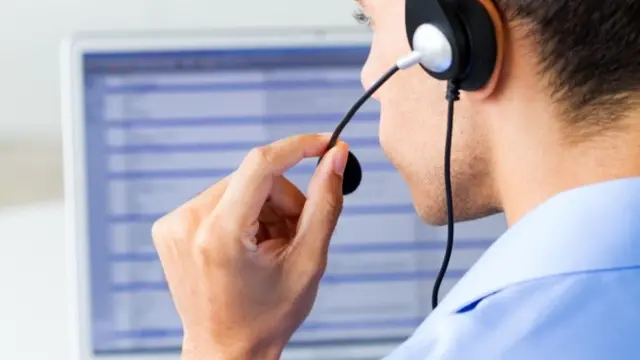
(431, 206)
(429, 203)
(431, 214)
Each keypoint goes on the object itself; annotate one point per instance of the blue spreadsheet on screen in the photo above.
(163, 126)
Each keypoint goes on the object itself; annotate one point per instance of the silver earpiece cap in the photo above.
(435, 49)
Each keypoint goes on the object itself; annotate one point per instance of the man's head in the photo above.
(571, 69)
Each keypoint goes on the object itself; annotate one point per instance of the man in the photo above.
(553, 141)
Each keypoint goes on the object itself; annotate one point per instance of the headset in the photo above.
(458, 41)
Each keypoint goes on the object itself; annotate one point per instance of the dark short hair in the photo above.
(590, 49)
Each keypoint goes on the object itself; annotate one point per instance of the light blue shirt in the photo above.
(562, 283)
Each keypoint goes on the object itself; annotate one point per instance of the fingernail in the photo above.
(339, 158)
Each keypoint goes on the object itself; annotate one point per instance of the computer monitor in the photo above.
(151, 121)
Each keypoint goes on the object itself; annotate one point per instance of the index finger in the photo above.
(250, 186)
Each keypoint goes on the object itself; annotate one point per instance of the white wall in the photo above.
(30, 32)
(32, 258)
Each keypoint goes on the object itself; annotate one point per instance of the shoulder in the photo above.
(580, 316)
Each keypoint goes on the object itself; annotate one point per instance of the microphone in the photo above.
(352, 175)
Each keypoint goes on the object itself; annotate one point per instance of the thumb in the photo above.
(323, 206)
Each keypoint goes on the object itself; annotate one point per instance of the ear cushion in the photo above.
(485, 29)
(500, 34)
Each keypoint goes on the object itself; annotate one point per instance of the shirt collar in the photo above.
(591, 228)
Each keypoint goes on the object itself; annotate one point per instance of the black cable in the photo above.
(354, 109)
(453, 95)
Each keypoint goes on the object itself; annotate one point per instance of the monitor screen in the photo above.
(160, 127)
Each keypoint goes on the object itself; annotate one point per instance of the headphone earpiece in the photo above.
(459, 39)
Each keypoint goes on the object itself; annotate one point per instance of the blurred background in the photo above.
(33, 300)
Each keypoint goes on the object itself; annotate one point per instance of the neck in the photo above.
(533, 162)
(532, 159)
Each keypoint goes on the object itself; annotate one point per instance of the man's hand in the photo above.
(244, 259)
